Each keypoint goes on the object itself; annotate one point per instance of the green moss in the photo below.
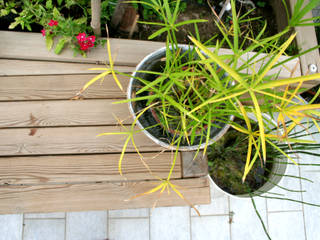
(226, 160)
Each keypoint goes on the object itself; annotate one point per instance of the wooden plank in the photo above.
(63, 113)
(306, 38)
(20, 45)
(99, 196)
(68, 140)
(127, 52)
(194, 166)
(84, 168)
(58, 87)
(24, 67)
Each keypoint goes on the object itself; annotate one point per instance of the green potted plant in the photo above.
(188, 96)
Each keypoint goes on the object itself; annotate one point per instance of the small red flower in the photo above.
(91, 39)
(43, 31)
(84, 46)
(81, 37)
(53, 23)
(85, 42)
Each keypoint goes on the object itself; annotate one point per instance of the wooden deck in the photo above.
(50, 157)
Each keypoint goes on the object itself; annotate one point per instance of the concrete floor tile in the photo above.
(290, 183)
(140, 212)
(11, 226)
(169, 223)
(210, 228)
(44, 229)
(312, 213)
(286, 226)
(219, 204)
(86, 225)
(245, 222)
(126, 229)
(45, 215)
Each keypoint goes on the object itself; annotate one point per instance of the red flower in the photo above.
(81, 37)
(53, 23)
(84, 46)
(91, 39)
(43, 31)
(85, 42)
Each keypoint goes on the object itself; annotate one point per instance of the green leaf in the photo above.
(190, 21)
(49, 4)
(56, 12)
(60, 45)
(60, 2)
(13, 25)
(160, 31)
(80, 21)
(49, 42)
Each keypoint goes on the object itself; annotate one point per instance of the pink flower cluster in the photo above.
(85, 42)
(51, 24)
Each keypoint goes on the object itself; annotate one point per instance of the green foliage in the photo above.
(41, 12)
(261, 4)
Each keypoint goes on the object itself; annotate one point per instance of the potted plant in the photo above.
(188, 96)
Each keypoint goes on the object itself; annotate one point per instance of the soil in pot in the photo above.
(227, 158)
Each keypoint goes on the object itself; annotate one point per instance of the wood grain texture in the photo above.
(25, 67)
(63, 113)
(99, 196)
(85, 168)
(58, 87)
(124, 51)
(194, 166)
(68, 140)
(306, 39)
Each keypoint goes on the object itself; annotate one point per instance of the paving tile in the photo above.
(44, 229)
(210, 227)
(290, 183)
(170, 223)
(11, 227)
(219, 204)
(287, 226)
(45, 215)
(86, 225)
(245, 222)
(125, 229)
(312, 213)
(140, 212)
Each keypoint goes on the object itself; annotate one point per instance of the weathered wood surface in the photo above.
(100, 196)
(32, 46)
(63, 113)
(194, 165)
(125, 52)
(69, 140)
(85, 168)
(306, 39)
(10, 67)
(59, 87)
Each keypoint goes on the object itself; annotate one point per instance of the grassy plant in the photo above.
(200, 88)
